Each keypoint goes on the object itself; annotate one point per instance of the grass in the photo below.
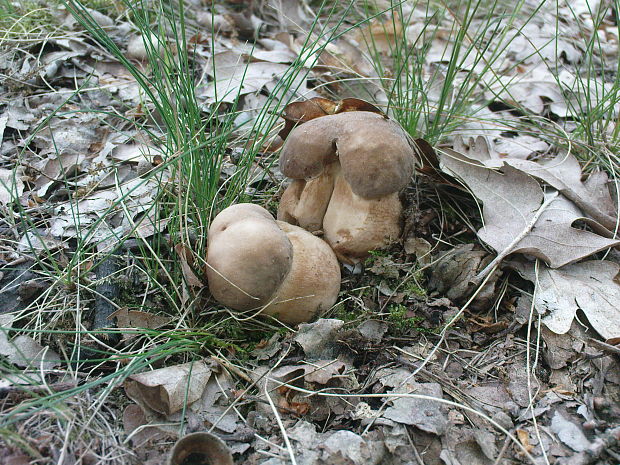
(429, 101)
(432, 102)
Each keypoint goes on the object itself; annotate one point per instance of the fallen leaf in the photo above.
(373, 330)
(524, 439)
(18, 116)
(134, 418)
(520, 146)
(425, 414)
(68, 136)
(335, 447)
(317, 339)
(234, 75)
(11, 186)
(39, 241)
(591, 286)
(563, 348)
(453, 273)
(24, 351)
(186, 258)
(167, 390)
(562, 172)
(130, 319)
(134, 153)
(520, 217)
(569, 433)
(471, 452)
(214, 404)
(421, 413)
(533, 90)
(296, 113)
(323, 371)
(291, 15)
(380, 36)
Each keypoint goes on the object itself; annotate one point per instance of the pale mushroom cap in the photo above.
(234, 213)
(258, 263)
(248, 257)
(313, 283)
(375, 153)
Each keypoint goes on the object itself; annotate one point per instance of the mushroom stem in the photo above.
(305, 202)
(353, 225)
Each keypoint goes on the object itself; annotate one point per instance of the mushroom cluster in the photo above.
(347, 170)
(256, 263)
(348, 163)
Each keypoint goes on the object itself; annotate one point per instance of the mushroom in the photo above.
(258, 263)
(347, 171)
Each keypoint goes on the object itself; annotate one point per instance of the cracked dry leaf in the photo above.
(134, 319)
(82, 217)
(318, 339)
(319, 372)
(235, 74)
(520, 217)
(333, 447)
(534, 90)
(422, 413)
(425, 414)
(18, 116)
(68, 136)
(591, 286)
(569, 433)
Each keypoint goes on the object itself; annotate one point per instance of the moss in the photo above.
(400, 321)
(341, 312)
(413, 288)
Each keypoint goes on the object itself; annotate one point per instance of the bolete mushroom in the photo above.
(272, 267)
(347, 171)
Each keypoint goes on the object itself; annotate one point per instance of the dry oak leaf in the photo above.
(563, 173)
(520, 218)
(591, 286)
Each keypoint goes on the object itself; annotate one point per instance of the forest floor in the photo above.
(489, 334)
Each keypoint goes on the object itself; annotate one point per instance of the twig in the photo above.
(30, 391)
(416, 454)
(604, 346)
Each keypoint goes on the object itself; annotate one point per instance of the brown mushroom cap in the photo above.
(313, 282)
(248, 257)
(257, 263)
(375, 153)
